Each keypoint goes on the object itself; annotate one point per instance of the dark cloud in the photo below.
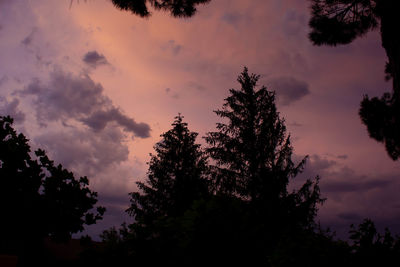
(295, 124)
(289, 89)
(27, 41)
(351, 196)
(196, 86)
(94, 59)
(3, 79)
(68, 97)
(318, 163)
(11, 109)
(172, 46)
(232, 18)
(294, 24)
(235, 18)
(337, 178)
(99, 119)
(171, 93)
(84, 152)
(357, 184)
(350, 216)
(115, 215)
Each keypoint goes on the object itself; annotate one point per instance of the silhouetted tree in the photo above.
(176, 176)
(253, 154)
(37, 198)
(253, 162)
(336, 22)
(370, 248)
(177, 8)
(311, 248)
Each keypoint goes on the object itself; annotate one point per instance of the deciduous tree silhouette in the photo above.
(37, 198)
(177, 8)
(336, 22)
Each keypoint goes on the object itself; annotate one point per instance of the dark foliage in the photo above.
(382, 118)
(176, 176)
(253, 156)
(177, 8)
(336, 22)
(238, 211)
(310, 248)
(340, 22)
(37, 198)
(371, 248)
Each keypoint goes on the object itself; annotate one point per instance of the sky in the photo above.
(95, 87)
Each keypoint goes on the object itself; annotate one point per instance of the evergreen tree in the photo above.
(177, 8)
(176, 176)
(253, 157)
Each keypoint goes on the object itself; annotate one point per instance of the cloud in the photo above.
(169, 92)
(352, 196)
(172, 46)
(295, 124)
(338, 178)
(94, 59)
(27, 41)
(84, 152)
(289, 89)
(294, 24)
(67, 97)
(99, 120)
(350, 216)
(356, 184)
(196, 86)
(3, 79)
(102, 156)
(232, 18)
(235, 18)
(11, 109)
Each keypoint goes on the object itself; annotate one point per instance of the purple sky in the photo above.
(96, 87)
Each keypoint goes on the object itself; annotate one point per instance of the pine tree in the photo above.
(341, 22)
(253, 156)
(177, 8)
(176, 176)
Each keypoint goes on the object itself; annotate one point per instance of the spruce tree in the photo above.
(253, 157)
(176, 176)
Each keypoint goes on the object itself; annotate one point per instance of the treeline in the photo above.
(228, 204)
(225, 204)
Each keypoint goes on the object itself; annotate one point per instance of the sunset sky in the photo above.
(95, 87)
